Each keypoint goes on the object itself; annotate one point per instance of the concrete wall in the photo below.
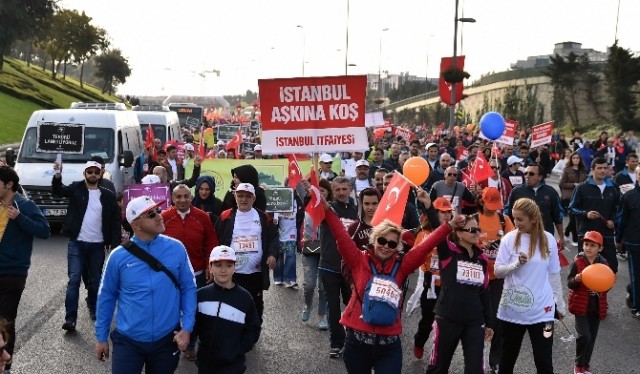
(497, 89)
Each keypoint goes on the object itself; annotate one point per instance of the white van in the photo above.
(164, 122)
(107, 130)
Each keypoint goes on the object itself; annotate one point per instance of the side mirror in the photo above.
(10, 157)
(127, 159)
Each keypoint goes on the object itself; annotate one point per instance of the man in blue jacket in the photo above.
(150, 305)
(20, 221)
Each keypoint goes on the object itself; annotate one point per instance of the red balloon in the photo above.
(598, 277)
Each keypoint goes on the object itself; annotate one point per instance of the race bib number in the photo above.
(434, 266)
(470, 273)
(245, 244)
(385, 290)
(515, 181)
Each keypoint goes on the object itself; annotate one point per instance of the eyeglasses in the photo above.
(390, 243)
(152, 214)
(471, 230)
(495, 167)
(452, 174)
(92, 171)
(530, 174)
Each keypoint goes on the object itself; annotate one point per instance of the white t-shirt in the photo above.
(91, 229)
(246, 240)
(361, 185)
(527, 297)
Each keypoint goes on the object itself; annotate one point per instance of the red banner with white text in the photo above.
(316, 114)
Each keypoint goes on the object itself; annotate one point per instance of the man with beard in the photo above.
(361, 180)
(92, 224)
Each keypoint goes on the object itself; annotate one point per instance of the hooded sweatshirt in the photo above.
(211, 204)
(246, 174)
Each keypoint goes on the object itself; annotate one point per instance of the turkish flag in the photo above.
(315, 209)
(295, 175)
(393, 202)
(481, 170)
(445, 87)
(235, 142)
(148, 142)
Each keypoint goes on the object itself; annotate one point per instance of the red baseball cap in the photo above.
(442, 204)
(594, 236)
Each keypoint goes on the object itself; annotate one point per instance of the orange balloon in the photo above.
(598, 277)
(416, 169)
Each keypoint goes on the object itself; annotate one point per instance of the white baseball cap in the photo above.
(362, 163)
(220, 142)
(222, 253)
(139, 206)
(189, 147)
(514, 160)
(92, 164)
(325, 157)
(248, 187)
(258, 147)
(150, 179)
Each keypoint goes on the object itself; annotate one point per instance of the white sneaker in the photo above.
(278, 283)
(575, 244)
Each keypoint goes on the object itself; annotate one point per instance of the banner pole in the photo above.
(407, 179)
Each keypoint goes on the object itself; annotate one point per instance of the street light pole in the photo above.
(452, 107)
(304, 42)
(346, 50)
(380, 87)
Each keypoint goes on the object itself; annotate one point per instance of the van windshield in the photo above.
(97, 142)
(159, 131)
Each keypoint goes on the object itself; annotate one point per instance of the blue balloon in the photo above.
(492, 125)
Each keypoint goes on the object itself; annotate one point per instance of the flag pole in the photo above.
(407, 179)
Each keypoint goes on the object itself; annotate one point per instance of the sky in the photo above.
(173, 46)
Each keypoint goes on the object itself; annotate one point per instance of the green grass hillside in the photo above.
(24, 89)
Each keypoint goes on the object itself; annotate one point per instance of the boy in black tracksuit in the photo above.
(227, 321)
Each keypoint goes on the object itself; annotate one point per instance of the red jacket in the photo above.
(196, 233)
(579, 293)
(358, 261)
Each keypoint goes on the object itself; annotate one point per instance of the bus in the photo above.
(189, 114)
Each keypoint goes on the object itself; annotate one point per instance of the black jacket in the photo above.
(330, 258)
(224, 340)
(628, 219)
(547, 199)
(587, 197)
(78, 195)
(270, 239)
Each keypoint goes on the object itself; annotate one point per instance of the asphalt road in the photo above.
(286, 345)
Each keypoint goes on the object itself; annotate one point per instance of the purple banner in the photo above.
(157, 192)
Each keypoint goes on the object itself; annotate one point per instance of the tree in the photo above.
(564, 74)
(87, 41)
(112, 68)
(21, 19)
(623, 73)
(57, 41)
(410, 89)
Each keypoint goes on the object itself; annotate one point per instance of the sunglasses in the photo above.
(152, 214)
(390, 243)
(92, 171)
(530, 174)
(495, 167)
(452, 174)
(471, 230)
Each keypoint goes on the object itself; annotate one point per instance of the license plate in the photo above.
(55, 212)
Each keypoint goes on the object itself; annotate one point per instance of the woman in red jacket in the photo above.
(371, 346)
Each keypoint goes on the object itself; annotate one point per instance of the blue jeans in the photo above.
(360, 357)
(286, 266)
(310, 268)
(129, 356)
(79, 255)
